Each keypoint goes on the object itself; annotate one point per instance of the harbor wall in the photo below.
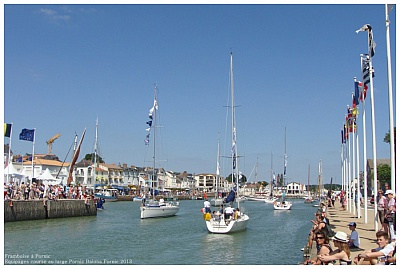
(36, 209)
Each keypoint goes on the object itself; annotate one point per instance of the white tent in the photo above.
(48, 178)
(11, 172)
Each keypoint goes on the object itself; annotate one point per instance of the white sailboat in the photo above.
(217, 201)
(271, 199)
(153, 208)
(283, 204)
(224, 224)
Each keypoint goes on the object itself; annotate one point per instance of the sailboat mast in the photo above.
(217, 185)
(308, 184)
(154, 140)
(234, 148)
(95, 152)
(272, 179)
(284, 161)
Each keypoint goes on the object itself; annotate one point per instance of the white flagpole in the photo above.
(9, 155)
(33, 153)
(348, 205)
(364, 146)
(357, 157)
(373, 143)
(353, 177)
(389, 64)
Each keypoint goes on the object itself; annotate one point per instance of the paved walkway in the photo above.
(339, 221)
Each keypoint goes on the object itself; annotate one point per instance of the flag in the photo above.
(75, 157)
(366, 78)
(7, 129)
(341, 132)
(371, 42)
(27, 135)
(357, 85)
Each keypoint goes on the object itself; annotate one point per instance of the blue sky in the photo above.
(66, 65)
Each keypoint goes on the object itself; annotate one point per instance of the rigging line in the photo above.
(66, 157)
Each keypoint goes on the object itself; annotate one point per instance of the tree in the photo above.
(243, 179)
(90, 157)
(384, 174)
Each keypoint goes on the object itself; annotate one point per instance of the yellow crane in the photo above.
(50, 143)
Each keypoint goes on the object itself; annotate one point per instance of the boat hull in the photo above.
(217, 201)
(281, 206)
(106, 197)
(158, 211)
(269, 200)
(220, 227)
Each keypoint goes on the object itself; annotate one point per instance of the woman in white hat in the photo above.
(341, 254)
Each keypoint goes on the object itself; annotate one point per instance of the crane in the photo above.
(50, 143)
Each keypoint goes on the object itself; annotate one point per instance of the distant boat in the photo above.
(107, 194)
(308, 199)
(282, 205)
(223, 223)
(153, 208)
(217, 201)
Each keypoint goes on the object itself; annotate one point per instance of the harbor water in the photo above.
(117, 235)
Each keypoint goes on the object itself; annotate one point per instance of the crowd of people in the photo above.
(344, 243)
(34, 190)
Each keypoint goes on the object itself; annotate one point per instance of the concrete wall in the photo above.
(35, 209)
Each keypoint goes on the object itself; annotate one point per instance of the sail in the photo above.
(76, 155)
(231, 197)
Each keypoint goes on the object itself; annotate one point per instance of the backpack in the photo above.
(331, 233)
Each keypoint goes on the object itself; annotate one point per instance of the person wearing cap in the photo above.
(391, 214)
(341, 254)
(376, 255)
(354, 239)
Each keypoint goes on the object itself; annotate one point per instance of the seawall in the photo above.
(36, 209)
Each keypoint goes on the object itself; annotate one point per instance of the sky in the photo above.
(67, 65)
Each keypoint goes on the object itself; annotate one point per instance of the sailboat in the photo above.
(308, 199)
(156, 208)
(217, 201)
(283, 204)
(319, 185)
(271, 199)
(225, 223)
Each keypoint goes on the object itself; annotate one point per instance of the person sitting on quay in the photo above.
(341, 254)
(318, 225)
(323, 247)
(377, 255)
(354, 239)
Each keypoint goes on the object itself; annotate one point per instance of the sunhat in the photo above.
(341, 237)
(389, 192)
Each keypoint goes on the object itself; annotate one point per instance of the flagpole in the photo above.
(373, 142)
(389, 67)
(347, 171)
(364, 145)
(9, 155)
(353, 155)
(33, 153)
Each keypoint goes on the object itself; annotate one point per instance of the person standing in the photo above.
(391, 214)
(382, 208)
(207, 206)
(354, 239)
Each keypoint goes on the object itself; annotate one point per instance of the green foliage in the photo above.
(384, 173)
(243, 179)
(90, 157)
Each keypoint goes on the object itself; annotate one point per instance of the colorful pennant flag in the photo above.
(27, 135)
